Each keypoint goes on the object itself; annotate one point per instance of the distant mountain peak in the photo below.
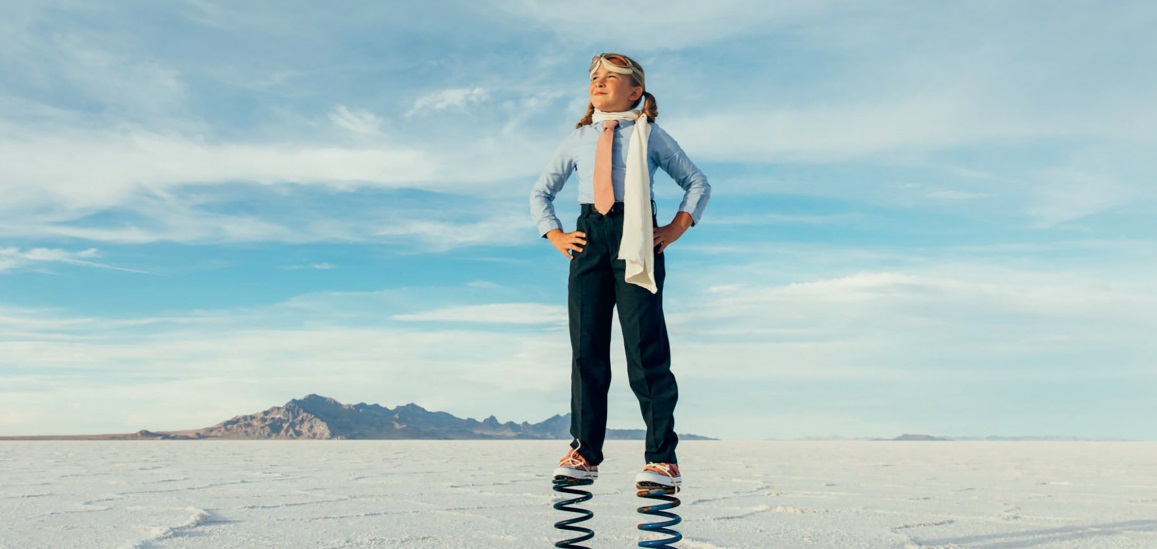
(318, 417)
(911, 437)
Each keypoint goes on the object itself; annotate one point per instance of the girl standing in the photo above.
(616, 260)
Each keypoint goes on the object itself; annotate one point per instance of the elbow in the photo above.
(704, 187)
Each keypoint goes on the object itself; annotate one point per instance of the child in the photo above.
(616, 259)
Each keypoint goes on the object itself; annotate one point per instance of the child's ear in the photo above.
(636, 93)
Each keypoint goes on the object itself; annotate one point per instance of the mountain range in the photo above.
(322, 418)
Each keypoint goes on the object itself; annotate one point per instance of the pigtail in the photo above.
(586, 121)
(650, 106)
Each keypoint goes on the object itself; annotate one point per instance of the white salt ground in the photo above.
(469, 494)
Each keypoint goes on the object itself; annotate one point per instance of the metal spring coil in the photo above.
(660, 510)
(569, 487)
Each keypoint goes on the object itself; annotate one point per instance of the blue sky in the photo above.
(926, 217)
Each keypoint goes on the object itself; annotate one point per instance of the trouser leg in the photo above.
(591, 301)
(648, 352)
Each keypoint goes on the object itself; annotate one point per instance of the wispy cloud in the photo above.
(238, 355)
(1066, 193)
(842, 131)
(105, 166)
(359, 122)
(921, 329)
(668, 25)
(910, 197)
(312, 267)
(952, 194)
(973, 321)
(15, 259)
(785, 219)
(440, 235)
(454, 98)
(109, 170)
(498, 313)
(206, 214)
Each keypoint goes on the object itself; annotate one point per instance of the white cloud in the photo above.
(1071, 196)
(132, 86)
(454, 98)
(262, 357)
(1071, 192)
(145, 173)
(842, 131)
(360, 122)
(924, 328)
(260, 213)
(312, 267)
(104, 167)
(107, 139)
(88, 70)
(13, 259)
(497, 313)
(144, 176)
(873, 99)
(953, 194)
(784, 219)
(960, 321)
(666, 25)
(438, 235)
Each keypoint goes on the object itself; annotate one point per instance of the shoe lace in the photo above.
(664, 468)
(574, 459)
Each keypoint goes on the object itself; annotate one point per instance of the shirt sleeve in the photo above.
(669, 156)
(553, 177)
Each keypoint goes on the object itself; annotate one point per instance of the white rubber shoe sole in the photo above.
(566, 473)
(650, 479)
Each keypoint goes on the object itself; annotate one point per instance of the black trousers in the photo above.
(596, 287)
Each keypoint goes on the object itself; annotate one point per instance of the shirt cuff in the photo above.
(547, 226)
(695, 212)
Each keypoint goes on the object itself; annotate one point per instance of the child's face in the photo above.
(613, 92)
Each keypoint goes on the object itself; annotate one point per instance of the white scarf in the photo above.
(637, 247)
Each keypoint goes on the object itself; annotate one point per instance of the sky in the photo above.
(928, 218)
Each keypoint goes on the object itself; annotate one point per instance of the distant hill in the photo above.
(321, 418)
(318, 417)
(907, 436)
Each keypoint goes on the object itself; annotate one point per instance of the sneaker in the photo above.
(661, 476)
(575, 467)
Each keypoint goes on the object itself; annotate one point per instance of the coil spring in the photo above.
(569, 486)
(660, 510)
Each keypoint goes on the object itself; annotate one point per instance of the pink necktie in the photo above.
(604, 190)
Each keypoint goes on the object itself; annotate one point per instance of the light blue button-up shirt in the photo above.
(577, 155)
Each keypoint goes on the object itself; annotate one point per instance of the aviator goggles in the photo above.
(619, 64)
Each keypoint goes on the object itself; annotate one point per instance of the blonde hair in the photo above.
(650, 106)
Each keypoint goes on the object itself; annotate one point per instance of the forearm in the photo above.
(683, 220)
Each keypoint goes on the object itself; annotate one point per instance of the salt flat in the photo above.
(475, 494)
